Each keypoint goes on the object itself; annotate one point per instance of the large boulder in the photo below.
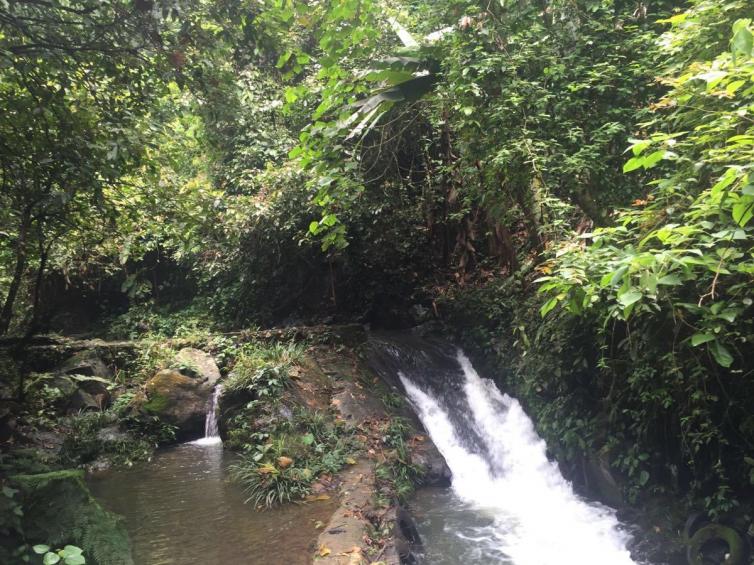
(84, 381)
(179, 400)
(79, 392)
(85, 363)
(179, 396)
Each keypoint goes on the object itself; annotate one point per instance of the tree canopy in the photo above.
(546, 165)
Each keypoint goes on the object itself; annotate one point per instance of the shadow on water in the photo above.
(180, 508)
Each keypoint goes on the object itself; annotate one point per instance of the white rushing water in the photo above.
(537, 518)
(211, 431)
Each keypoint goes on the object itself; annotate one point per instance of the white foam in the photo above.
(538, 519)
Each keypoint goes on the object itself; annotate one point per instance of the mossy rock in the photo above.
(60, 510)
(178, 400)
(737, 553)
(157, 404)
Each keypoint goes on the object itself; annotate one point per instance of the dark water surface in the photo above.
(453, 531)
(180, 508)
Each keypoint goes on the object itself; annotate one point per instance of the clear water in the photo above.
(508, 503)
(181, 509)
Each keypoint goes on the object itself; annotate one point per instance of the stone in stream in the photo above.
(179, 396)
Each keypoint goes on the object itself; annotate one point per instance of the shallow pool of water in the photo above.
(180, 508)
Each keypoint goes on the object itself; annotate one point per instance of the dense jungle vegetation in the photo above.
(567, 184)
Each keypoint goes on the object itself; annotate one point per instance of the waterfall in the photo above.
(500, 466)
(211, 431)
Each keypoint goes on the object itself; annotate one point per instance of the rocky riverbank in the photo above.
(301, 406)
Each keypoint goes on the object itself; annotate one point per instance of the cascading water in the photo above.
(516, 506)
(211, 431)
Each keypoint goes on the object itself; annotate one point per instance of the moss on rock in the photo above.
(59, 509)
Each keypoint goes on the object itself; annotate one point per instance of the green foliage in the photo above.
(280, 463)
(70, 555)
(670, 284)
(284, 447)
(267, 486)
(59, 511)
(396, 475)
(11, 525)
(98, 435)
(146, 321)
(262, 369)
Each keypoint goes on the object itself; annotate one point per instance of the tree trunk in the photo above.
(584, 200)
(534, 232)
(6, 315)
(44, 252)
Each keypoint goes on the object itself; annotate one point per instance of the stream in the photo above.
(508, 504)
(181, 508)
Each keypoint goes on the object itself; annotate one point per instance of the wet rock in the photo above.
(197, 364)
(83, 380)
(99, 466)
(600, 480)
(436, 470)
(84, 400)
(48, 440)
(356, 404)
(179, 400)
(112, 434)
(419, 313)
(408, 542)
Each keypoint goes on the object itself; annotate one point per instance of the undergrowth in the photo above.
(285, 447)
(396, 475)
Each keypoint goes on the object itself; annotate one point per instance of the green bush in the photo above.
(262, 369)
(279, 464)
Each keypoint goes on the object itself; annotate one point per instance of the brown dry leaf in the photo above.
(322, 497)
(284, 462)
(324, 551)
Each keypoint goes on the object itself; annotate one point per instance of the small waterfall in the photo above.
(211, 431)
(499, 465)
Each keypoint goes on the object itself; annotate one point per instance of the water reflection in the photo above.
(181, 509)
